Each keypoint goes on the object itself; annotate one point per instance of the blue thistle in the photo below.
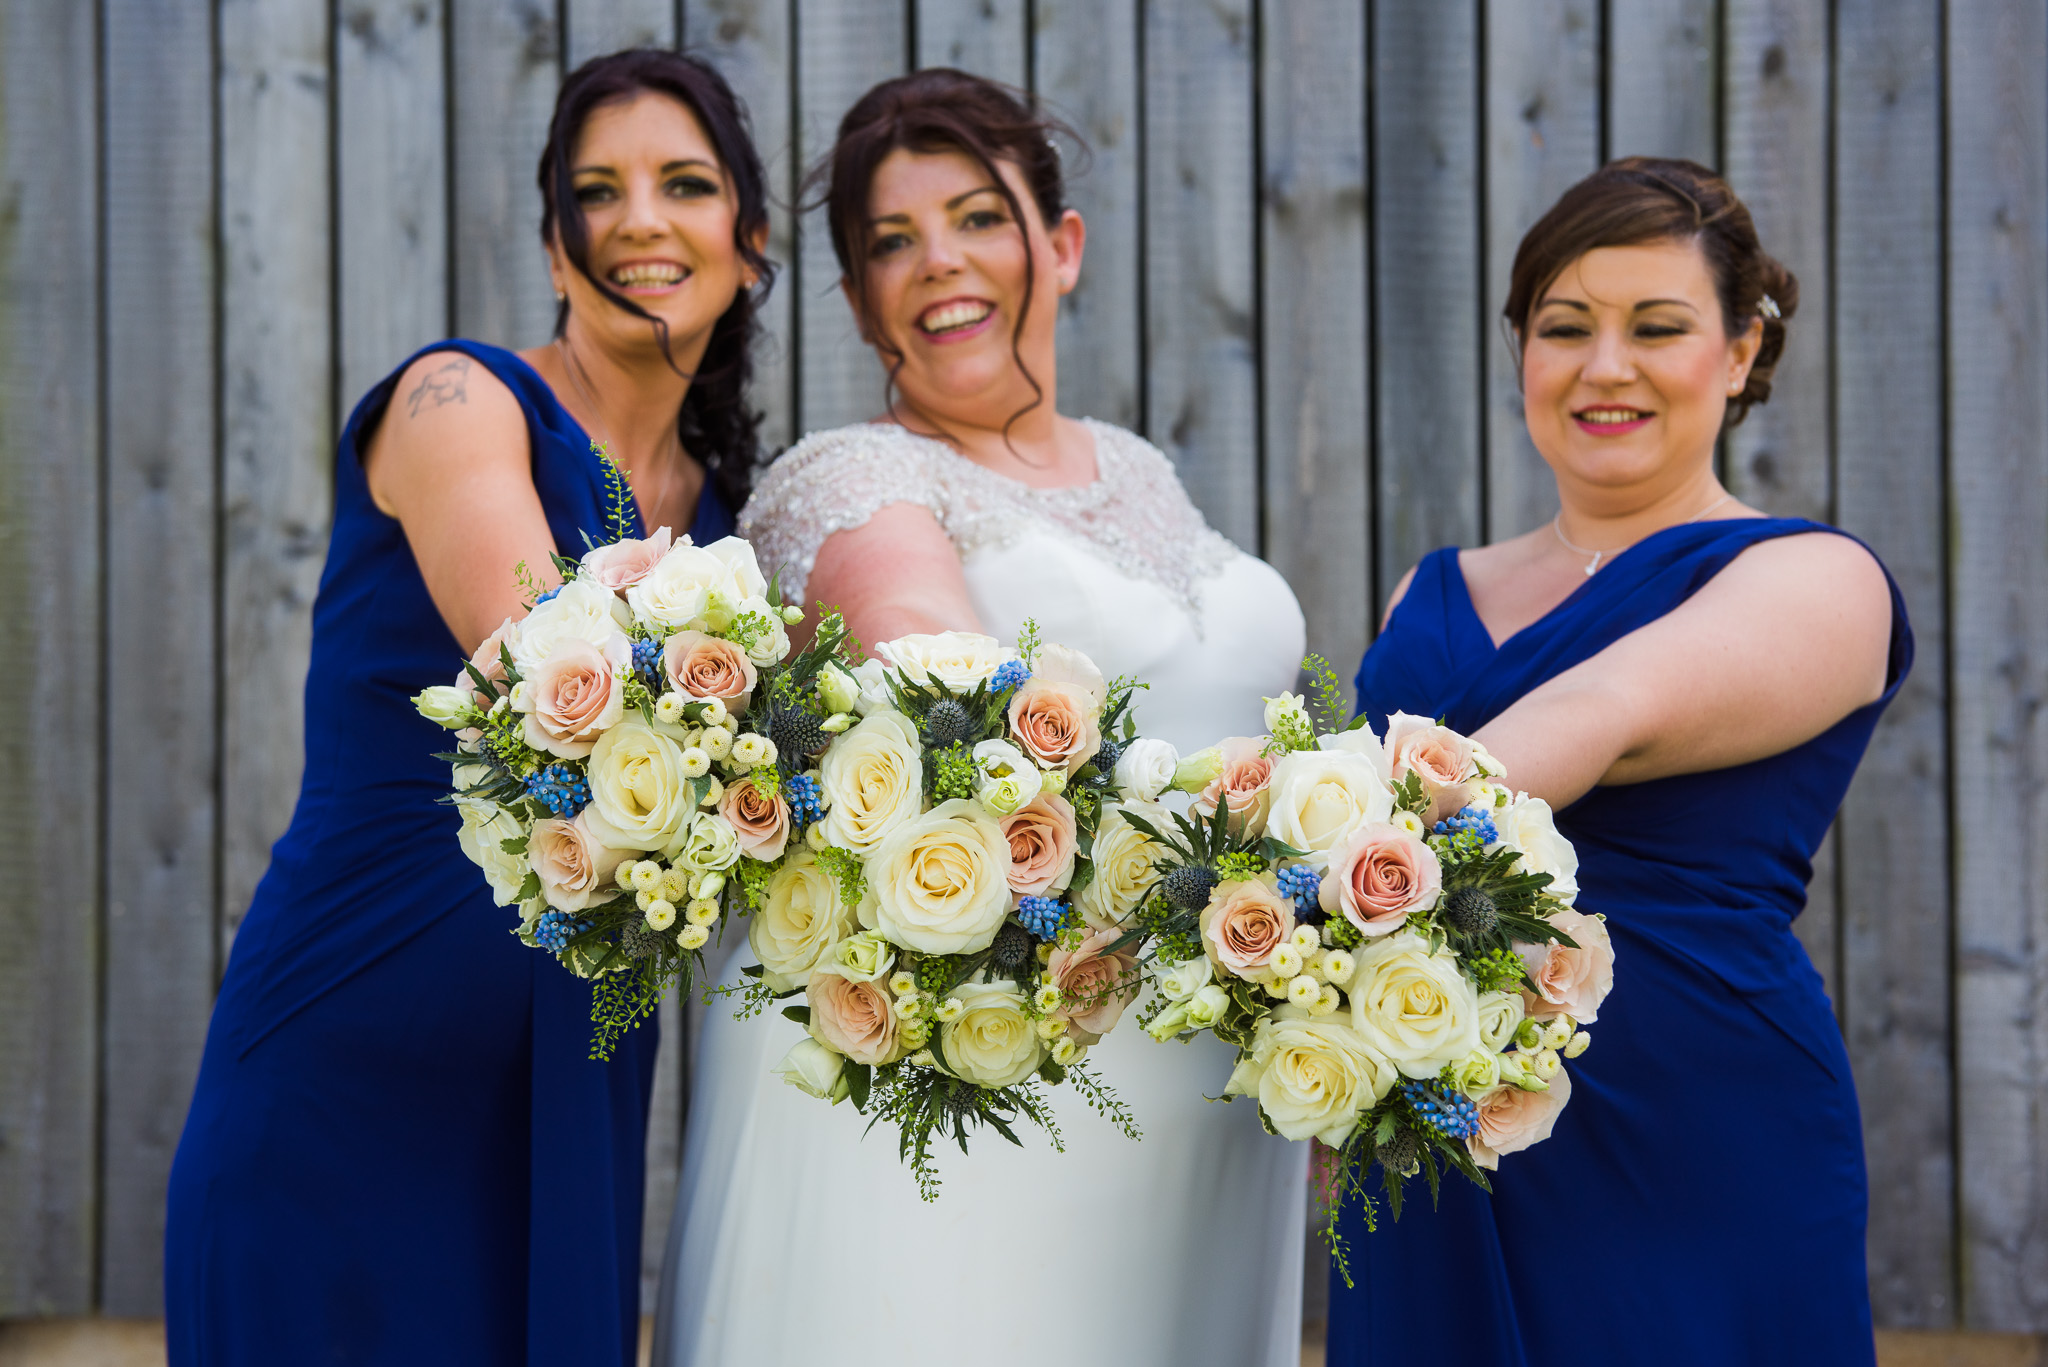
(1303, 884)
(1475, 820)
(1451, 1114)
(555, 929)
(560, 789)
(1010, 675)
(806, 803)
(1042, 916)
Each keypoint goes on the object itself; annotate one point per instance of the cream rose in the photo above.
(1146, 768)
(1043, 842)
(1571, 981)
(684, 587)
(760, 819)
(1378, 875)
(1245, 921)
(811, 1067)
(1413, 1006)
(871, 685)
(872, 781)
(800, 919)
(737, 555)
(702, 666)
(575, 868)
(639, 796)
(1125, 860)
(957, 660)
(709, 845)
(992, 1043)
(856, 1018)
(1241, 785)
(1440, 757)
(939, 884)
(1529, 826)
(1096, 983)
(485, 828)
(1321, 796)
(1511, 1119)
(625, 562)
(1313, 1077)
(576, 695)
(579, 611)
(1500, 1015)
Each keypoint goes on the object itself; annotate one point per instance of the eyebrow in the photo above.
(666, 167)
(953, 203)
(1645, 304)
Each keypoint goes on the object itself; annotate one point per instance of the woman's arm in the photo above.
(1786, 641)
(452, 462)
(895, 574)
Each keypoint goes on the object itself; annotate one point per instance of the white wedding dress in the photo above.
(796, 1241)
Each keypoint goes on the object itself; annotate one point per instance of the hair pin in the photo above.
(1768, 307)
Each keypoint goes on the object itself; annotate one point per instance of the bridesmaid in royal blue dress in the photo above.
(1691, 684)
(398, 1151)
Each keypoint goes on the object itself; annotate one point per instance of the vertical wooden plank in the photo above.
(1663, 79)
(1201, 276)
(1318, 513)
(986, 37)
(843, 48)
(1998, 467)
(50, 509)
(507, 58)
(596, 27)
(1429, 324)
(1542, 137)
(751, 42)
(391, 213)
(277, 418)
(162, 618)
(1894, 827)
(1085, 56)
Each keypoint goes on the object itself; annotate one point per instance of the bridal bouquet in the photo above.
(928, 887)
(1386, 932)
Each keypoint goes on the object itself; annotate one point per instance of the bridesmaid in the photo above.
(398, 1151)
(1691, 684)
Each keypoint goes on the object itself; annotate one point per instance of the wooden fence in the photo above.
(221, 220)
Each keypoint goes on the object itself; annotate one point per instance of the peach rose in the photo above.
(489, 661)
(761, 820)
(575, 868)
(1042, 845)
(576, 696)
(857, 1019)
(1443, 759)
(625, 563)
(1570, 981)
(1244, 923)
(1511, 1119)
(1096, 983)
(1242, 786)
(702, 666)
(1055, 723)
(1378, 875)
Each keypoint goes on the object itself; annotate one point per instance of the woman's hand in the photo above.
(452, 463)
(1791, 637)
(895, 574)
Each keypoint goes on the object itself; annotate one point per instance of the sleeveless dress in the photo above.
(796, 1240)
(398, 1151)
(1702, 1199)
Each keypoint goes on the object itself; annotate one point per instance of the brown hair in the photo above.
(1652, 199)
(939, 109)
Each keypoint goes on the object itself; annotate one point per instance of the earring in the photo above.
(561, 295)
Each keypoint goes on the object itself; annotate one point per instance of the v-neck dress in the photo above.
(1702, 1199)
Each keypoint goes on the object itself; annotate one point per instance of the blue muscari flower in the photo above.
(1475, 819)
(647, 664)
(555, 929)
(1451, 1114)
(806, 804)
(1042, 916)
(549, 594)
(560, 789)
(1011, 674)
(1301, 883)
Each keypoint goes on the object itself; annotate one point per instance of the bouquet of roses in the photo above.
(931, 902)
(1386, 933)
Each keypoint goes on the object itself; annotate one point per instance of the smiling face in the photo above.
(945, 278)
(660, 214)
(1627, 369)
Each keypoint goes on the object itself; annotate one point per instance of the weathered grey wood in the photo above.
(750, 42)
(1542, 137)
(986, 37)
(161, 801)
(50, 504)
(664, 1150)
(391, 214)
(1429, 324)
(1318, 503)
(1201, 284)
(506, 63)
(1998, 468)
(1776, 152)
(1894, 827)
(843, 48)
(1663, 82)
(596, 27)
(1086, 62)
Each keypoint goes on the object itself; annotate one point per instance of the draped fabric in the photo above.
(1702, 1199)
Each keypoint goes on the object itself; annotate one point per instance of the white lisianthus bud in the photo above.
(792, 614)
(1066, 1050)
(837, 722)
(693, 937)
(1339, 966)
(1169, 1022)
(1183, 979)
(661, 914)
(1515, 1072)
(1003, 779)
(837, 689)
(1307, 939)
(923, 1059)
(1197, 771)
(1483, 760)
(717, 742)
(701, 911)
(696, 763)
(1327, 1001)
(1529, 1035)
(1052, 781)
(444, 705)
(813, 1068)
(1146, 767)
(1579, 1043)
(675, 885)
(1047, 998)
(499, 707)
(1208, 1006)
(1303, 991)
(711, 798)
(714, 713)
(1557, 1032)
(1409, 823)
(949, 1010)
(903, 983)
(707, 886)
(1545, 1064)
(1287, 720)
(522, 696)
(1051, 1028)
(668, 708)
(1286, 960)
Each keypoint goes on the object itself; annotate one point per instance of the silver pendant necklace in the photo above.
(1557, 526)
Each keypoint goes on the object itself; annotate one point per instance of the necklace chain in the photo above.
(1557, 526)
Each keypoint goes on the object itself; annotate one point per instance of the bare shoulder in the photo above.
(1809, 571)
(446, 412)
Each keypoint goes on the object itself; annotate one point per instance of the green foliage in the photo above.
(1027, 641)
(1497, 970)
(753, 881)
(1327, 701)
(952, 772)
(749, 629)
(1238, 865)
(844, 865)
(618, 494)
(1103, 1100)
(925, 1104)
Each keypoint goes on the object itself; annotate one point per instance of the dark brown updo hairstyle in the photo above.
(715, 423)
(1654, 199)
(938, 110)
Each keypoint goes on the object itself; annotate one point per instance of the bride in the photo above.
(971, 506)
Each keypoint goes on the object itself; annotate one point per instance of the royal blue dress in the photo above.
(398, 1151)
(1702, 1199)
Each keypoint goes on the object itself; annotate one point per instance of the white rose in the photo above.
(582, 611)
(992, 1043)
(1207, 1006)
(957, 660)
(801, 918)
(1125, 861)
(1146, 767)
(940, 884)
(1321, 796)
(712, 845)
(1187, 977)
(684, 588)
(485, 826)
(1500, 1015)
(1313, 1077)
(1004, 779)
(1412, 1006)
(772, 646)
(1528, 825)
(872, 781)
(810, 1067)
(639, 796)
(870, 677)
(737, 555)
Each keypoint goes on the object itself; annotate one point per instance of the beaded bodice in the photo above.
(1135, 514)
